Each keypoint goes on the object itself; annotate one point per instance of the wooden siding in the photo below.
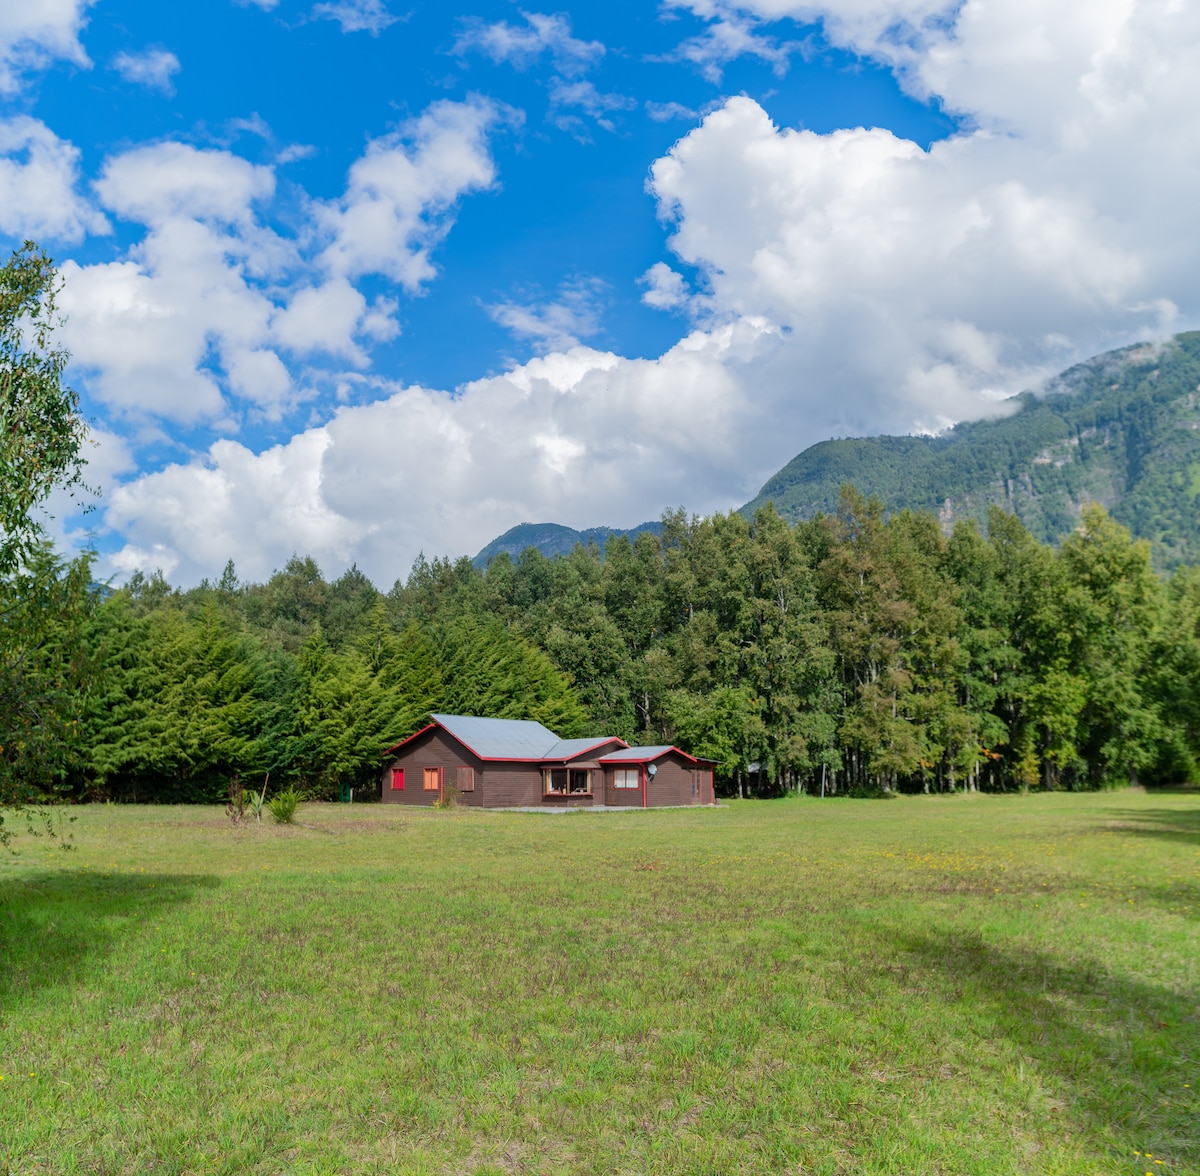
(434, 749)
(671, 785)
(512, 785)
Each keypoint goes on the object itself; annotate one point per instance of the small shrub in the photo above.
(283, 806)
(236, 805)
(258, 800)
(450, 798)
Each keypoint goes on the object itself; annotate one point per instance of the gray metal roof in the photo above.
(637, 754)
(564, 749)
(517, 739)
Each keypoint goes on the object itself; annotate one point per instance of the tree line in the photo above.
(859, 652)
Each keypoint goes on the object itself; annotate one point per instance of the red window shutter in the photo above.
(398, 779)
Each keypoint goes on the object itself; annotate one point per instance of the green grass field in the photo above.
(959, 985)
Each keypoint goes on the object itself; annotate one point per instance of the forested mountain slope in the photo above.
(1122, 429)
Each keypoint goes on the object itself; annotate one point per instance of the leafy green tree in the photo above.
(184, 703)
(341, 717)
(724, 725)
(1116, 606)
(41, 430)
(494, 671)
(45, 671)
(43, 600)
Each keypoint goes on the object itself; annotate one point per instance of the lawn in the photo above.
(930, 985)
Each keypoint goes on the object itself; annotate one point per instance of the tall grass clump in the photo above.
(283, 806)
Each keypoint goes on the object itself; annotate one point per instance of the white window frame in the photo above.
(627, 778)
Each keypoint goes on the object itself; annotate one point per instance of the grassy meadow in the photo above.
(926, 985)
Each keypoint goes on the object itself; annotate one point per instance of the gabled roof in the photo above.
(526, 741)
(645, 755)
(638, 755)
(566, 749)
(510, 739)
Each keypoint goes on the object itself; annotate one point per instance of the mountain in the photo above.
(1122, 429)
(551, 539)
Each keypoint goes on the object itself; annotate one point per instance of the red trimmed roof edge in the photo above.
(665, 751)
(397, 746)
(585, 750)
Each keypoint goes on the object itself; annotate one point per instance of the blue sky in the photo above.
(363, 278)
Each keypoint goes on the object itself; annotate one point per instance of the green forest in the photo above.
(859, 652)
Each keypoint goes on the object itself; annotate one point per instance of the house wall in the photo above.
(621, 797)
(434, 749)
(511, 785)
(599, 779)
(671, 785)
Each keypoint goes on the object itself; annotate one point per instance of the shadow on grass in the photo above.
(1180, 826)
(1118, 1052)
(53, 923)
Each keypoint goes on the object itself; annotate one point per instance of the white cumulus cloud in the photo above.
(39, 176)
(665, 289)
(153, 68)
(914, 284)
(153, 331)
(35, 32)
(401, 195)
(212, 306)
(563, 437)
(852, 282)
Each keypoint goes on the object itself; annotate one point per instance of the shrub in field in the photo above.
(283, 806)
(450, 798)
(236, 806)
(258, 800)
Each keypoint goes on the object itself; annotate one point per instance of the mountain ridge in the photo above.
(553, 539)
(1121, 429)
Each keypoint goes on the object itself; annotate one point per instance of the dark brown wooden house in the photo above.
(512, 763)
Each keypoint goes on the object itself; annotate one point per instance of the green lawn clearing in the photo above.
(928, 985)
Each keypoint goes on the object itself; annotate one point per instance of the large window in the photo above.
(627, 778)
(433, 779)
(465, 779)
(567, 781)
(397, 779)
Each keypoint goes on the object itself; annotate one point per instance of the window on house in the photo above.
(627, 778)
(567, 781)
(433, 779)
(466, 779)
(397, 779)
